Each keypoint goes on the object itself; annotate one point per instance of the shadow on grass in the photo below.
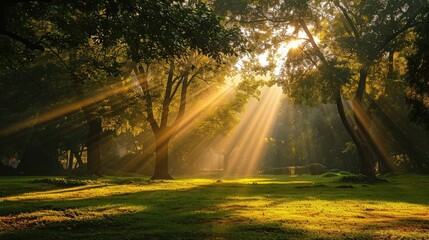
(13, 186)
(195, 213)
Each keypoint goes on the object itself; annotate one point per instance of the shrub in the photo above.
(316, 168)
(329, 174)
(276, 171)
(345, 173)
(302, 170)
(359, 178)
(64, 182)
(6, 170)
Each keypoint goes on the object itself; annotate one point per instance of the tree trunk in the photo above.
(357, 131)
(161, 157)
(70, 161)
(360, 131)
(93, 143)
(226, 162)
(78, 156)
(366, 160)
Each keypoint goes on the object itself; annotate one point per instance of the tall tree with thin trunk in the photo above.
(353, 36)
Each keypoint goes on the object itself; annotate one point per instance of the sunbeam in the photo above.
(73, 106)
(248, 140)
(377, 136)
(194, 111)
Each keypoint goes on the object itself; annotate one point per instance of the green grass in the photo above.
(265, 207)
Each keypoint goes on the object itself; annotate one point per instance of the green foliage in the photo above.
(165, 29)
(418, 77)
(306, 83)
(257, 12)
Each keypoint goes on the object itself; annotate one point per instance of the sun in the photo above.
(282, 52)
(294, 43)
(284, 48)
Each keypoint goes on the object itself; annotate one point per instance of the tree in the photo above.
(192, 28)
(91, 41)
(68, 42)
(369, 29)
(353, 37)
(175, 79)
(418, 75)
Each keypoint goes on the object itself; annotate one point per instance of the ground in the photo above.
(264, 207)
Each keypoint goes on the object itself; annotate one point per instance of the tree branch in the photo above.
(312, 41)
(349, 21)
(390, 38)
(182, 107)
(22, 40)
(142, 77)
(167, 96)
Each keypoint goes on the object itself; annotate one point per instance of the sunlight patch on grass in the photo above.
(330, 218)
(265, 181)
(49, 216)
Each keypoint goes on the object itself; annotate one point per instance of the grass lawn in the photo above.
(264, 207)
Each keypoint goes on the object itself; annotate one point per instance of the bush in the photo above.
(276, 171)
(345, 173)
(37, 160)
(316, 168)
(64, 182)
(6, 170)
(359, 178)
(299, 170)
(329, 174)
(313, 169)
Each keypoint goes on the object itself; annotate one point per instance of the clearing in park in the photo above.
(263, 207)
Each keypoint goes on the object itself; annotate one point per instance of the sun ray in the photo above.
(253, 129)
(377, 136)
(207, 102)
(70, 107)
